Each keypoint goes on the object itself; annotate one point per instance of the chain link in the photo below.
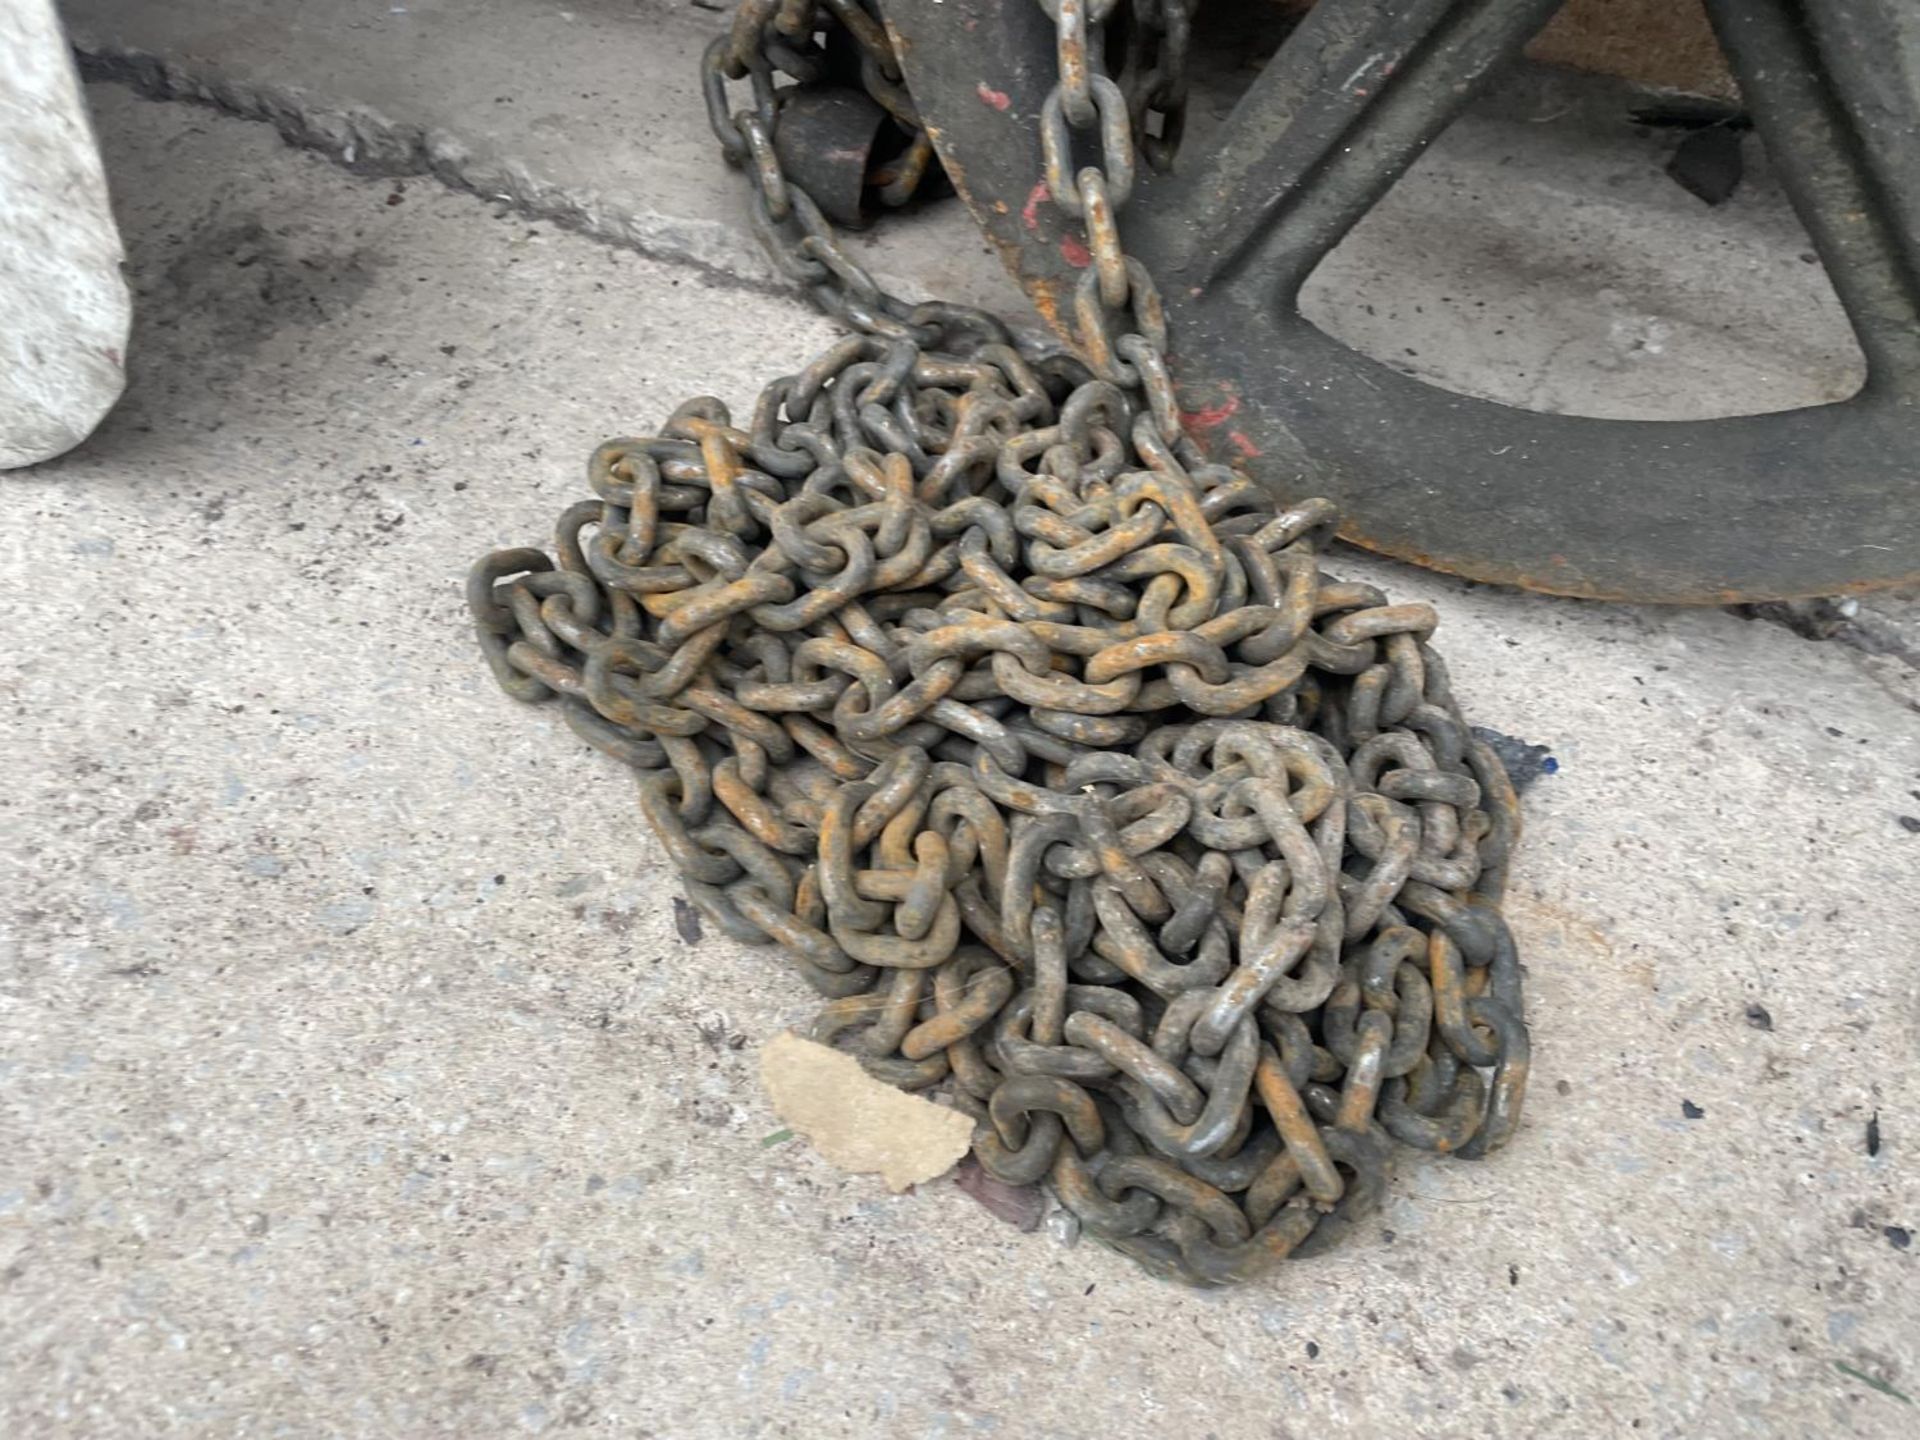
(1040, 747)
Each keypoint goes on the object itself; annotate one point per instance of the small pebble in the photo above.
(1063, 1225)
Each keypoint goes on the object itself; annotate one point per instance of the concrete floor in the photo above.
(354, 1081)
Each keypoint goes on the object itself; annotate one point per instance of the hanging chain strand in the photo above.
(1038, 745)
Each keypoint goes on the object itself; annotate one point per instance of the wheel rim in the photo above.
(1815, 501)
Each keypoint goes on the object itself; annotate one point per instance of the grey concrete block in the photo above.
(63, 306)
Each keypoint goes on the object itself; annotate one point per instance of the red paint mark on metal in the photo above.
(1030, 212)
(999, 99)
(1074, 253)
(1211, 415)
(1248, 450)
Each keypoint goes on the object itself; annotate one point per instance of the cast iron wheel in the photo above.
(1817, 501)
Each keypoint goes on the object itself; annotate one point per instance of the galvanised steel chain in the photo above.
(1041, 746)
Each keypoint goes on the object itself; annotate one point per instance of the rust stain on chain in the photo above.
(1040, 745)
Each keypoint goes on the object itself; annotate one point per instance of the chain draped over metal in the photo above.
(1038, 745)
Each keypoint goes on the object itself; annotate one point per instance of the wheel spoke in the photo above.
(1832, 85)
(1755, 507)
(1353, 96)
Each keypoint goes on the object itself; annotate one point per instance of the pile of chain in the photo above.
(1040, 745)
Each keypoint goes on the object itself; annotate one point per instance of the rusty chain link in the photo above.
(1040, 746)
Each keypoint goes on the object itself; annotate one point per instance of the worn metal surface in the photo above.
(1815, 501)
(825, 141)
(1040, 744)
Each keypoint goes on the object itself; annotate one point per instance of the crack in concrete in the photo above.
(1830, 620)
(366, 142)
(1837, 622)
